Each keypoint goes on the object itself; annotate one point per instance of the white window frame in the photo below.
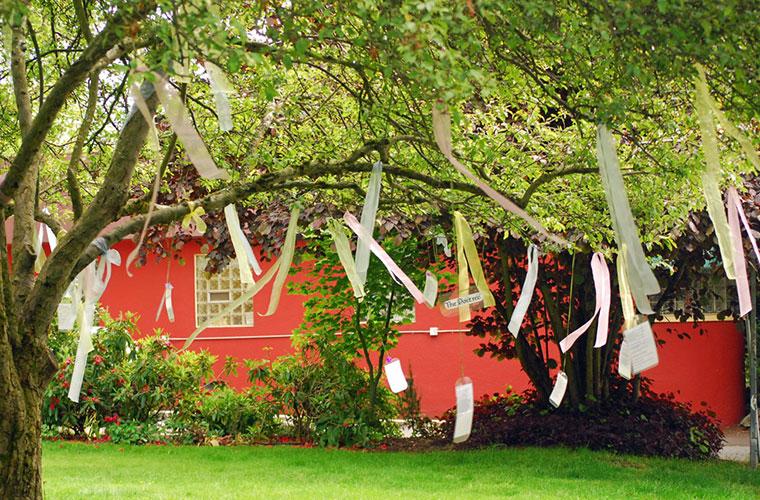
(199, 263)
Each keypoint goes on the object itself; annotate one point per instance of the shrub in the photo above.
(326, 401)
(653, 425)
(132, 432)
(132, 380)
(226, 412)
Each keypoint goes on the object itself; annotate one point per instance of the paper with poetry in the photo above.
(638, 352)
(558, 392)
(395, 375)
(465, 409)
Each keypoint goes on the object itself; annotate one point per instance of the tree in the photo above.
(323, 93)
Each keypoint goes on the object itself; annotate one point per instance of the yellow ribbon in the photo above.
(335, 228)
(194, 216)
(467, 257)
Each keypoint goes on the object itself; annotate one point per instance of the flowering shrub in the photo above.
(125, 380)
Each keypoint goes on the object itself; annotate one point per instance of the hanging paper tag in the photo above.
(395, 375)
(465, 409)
(625, 369)
(467, 300)
(526, 293)
(431, 289)
(558, 393)
(641, 348)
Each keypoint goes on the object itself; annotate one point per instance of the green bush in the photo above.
(325, 401)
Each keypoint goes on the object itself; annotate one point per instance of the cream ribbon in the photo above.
(740, 263)
(220, 87)
(286, 258)
(369, 214)
(342, 247)
(526, 292)
(442, 133)
(166, 302)
(641, 278)
(243, 251)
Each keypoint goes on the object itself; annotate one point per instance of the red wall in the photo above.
(707, 368)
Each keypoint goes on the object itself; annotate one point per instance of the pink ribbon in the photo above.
(601, 275)
(734, 206)
(386, 259)
(733, 197)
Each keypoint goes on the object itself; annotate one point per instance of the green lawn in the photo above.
(73, 470)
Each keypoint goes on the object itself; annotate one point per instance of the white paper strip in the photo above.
(166, 302)
(239, 242)
(369, 214)
(395, 375)
(640, 348)
(558, 393)
(526, 292)
(431, 288)
(220, 86)
(386, 259)
(441, 239)
(465, 409)
(641, 279)
(179, 118)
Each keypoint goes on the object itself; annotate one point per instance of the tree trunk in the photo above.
(22, 387)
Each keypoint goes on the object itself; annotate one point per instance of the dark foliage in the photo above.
(653, 425)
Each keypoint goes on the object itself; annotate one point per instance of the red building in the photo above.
(706, 368)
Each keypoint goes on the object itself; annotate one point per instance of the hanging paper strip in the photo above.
(442, 133)
(386, 259)
(711, 174)
(243, 250)
(286, 258)
(156, 148)
(740, 263)
(194, 217)
(431, 289)
(526, 293)
(444, 242)
(179, 119)
(601, 275)
(220, 87)
(467, 257)
(369, 214)
(640, 275)
(733, 197)
(235, 304)
(166, 303)
(395, 375)
(558, 392)
(67, 308)
(94, 281)
(335, 228)
(465, 409)
(708, 101)
(626, 300)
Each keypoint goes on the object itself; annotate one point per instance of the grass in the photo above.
(76, 470)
